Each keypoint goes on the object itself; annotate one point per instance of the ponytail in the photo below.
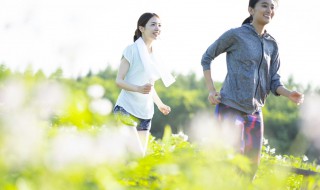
(137, 34)
(247, 20)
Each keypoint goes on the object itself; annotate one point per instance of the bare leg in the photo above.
(134, 143)
(144, 137)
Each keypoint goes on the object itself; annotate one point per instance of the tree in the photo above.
(57, 74)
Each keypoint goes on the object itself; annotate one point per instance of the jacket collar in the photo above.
(250, 27)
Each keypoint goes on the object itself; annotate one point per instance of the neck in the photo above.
(148, 44)
(260, 29)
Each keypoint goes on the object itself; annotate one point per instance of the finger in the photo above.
(211, 98)
(147, 89)
(212, 102)
(165, 112)
(148, 85)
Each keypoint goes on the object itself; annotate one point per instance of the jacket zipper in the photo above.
(258, 83)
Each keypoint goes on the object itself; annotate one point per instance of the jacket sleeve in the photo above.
(221, 45)
(275, 76)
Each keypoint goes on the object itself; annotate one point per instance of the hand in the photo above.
(214, 97)
(145, 89)
(164, 109)
(296, 97)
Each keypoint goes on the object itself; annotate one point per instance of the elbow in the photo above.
(206, 67)
(206, 63)
(118, 83)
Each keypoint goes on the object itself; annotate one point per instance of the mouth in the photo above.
(156, 34)
(267, 16)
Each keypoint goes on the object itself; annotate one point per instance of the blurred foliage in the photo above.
(187, 97)
(53, 132)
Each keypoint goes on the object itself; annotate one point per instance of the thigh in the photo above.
(249, 126)
(144, 125)
(130, 120)
(231, 120)
(227, 113)
(125, 117)
(253, 135)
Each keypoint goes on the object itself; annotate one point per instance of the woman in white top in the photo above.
(138, 71)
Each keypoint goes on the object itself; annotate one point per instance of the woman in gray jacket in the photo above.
(252, 73)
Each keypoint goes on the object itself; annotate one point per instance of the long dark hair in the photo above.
(144, 18)
(252, 4)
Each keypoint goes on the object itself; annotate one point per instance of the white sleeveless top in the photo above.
(137, 104)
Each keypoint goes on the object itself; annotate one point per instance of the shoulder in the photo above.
(130, 52)
(229, 34)
(232, 31)
(233, 34)
(130, 48)
(236, 31)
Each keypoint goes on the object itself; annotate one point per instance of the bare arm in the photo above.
(294, 96)
(214, 96)
(121, 83)
(161, 106)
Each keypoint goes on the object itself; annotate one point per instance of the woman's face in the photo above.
(263, 12)
(152, 29)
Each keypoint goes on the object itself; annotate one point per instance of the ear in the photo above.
(251, 10)
(141, 28)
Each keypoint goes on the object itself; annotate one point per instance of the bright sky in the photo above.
(78, 35)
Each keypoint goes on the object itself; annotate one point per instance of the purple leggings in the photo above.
(251, 127)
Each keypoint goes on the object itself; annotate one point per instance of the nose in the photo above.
(269, 9)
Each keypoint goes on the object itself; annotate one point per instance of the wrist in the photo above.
(283, 91)
(136, 88)
(159, 105)
(213, 91)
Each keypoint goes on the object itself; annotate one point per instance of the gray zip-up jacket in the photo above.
(252, 63)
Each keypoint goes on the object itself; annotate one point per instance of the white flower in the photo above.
(267, 149)
(278, 157)
(95, 91)
(230, 156)
(23, 137)
(110, 146)
(272, 151)
(305, 158)
(12, 96)
(265, 141)
(48, 98)
(181, 135)
(101, 106)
